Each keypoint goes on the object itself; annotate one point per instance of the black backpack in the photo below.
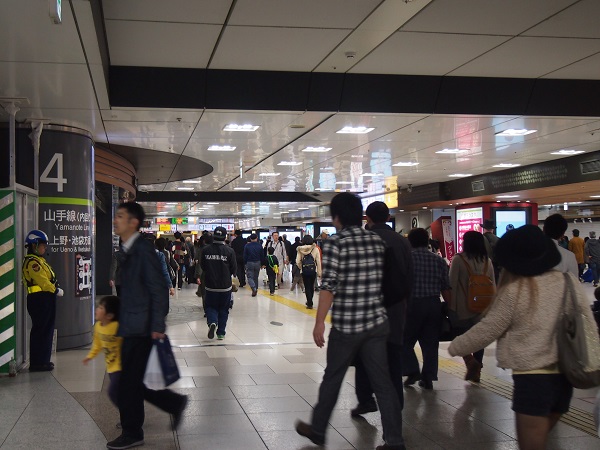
(309, 267)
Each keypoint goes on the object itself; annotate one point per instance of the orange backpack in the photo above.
(481, 289)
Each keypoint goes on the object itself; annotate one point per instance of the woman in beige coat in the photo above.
(524, 319)
(473, 258)
(308, 260)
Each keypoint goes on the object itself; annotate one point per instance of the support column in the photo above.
(7, 278)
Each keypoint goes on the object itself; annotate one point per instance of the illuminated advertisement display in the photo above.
(469, 219)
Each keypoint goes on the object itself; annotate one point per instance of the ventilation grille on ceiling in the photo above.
(590, 167)
(535, 175)
(477, 186)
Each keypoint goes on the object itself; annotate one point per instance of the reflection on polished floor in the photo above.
(247, 391)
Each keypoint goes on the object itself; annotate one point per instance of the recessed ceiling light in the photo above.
(372, 174)
(452, 151)
(507, 196)
(212, 203)
(289, 163)
(515, 132)
(595, 196)
(254, 182)
(344, 182)
(171, 203)
(506, 165)
(246, 127)
(269, 174)
(192, 181)
(242, 188)
(355, 130)
(460, 175)
(185, 188)
(316, 149)
(221, 148)
(405, 164)
(567, 152)
(303, 208)
(323, 189)
(293, 210)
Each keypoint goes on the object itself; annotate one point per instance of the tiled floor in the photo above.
(246, 392)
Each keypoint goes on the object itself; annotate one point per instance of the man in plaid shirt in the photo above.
(353, 263)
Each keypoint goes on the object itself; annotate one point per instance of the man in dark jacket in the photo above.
(253, 259)
(218, 264)
(397, 286)
(238, 245)
(144, 305)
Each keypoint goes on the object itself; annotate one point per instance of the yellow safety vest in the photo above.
(38, 276)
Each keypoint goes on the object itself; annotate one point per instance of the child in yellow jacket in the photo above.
(105, 338)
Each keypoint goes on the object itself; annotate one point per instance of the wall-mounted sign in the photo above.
(164, 227)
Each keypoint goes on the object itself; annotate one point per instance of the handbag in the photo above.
(161, 369)
(447, 332)
(578, 342)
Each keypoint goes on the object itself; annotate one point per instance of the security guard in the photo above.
(42, 290)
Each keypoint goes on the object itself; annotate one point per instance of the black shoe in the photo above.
(364, 409)
(309, 306)
(304, 429)
(179, 413)
(412, 379)
(41, 367)
(211, 330)
(426, 384)
(254, 292)
(123, 442)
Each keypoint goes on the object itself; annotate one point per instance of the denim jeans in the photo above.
(217, 309)
(370, 346)
(113, 389)
(252, 271)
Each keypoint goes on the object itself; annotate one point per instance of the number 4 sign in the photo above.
(57, 160)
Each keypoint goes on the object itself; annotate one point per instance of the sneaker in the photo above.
(364, 409)
(177, 414)
(304, 429)
(123, 442)
(272, 293)
(220, 337)
(412, 379)
(211, 330)
(178, 289)
(426, 384)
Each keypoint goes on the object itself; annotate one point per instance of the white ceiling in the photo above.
(59, 69)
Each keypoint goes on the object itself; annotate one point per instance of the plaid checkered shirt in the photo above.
(430, 274)
(353, 263)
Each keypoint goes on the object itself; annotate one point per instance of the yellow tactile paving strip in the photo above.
(577, 418)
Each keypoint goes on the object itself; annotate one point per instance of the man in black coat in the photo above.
(397, 286)
(238, 245)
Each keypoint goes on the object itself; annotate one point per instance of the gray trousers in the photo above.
(252, 270)
(341, 351)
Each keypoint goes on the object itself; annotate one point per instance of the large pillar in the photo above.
(67, 215)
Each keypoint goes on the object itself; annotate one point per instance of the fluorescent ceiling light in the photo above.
(171, 203)
(460, 175)
(344, 182)
(289, 163)
(316, 149)
(451, 151)
(506, 165)
(405, 164)
(568, 152)
(242, 188)
(507, 196)
(372, 174)
(515, 132)
(192, 181)
(595, 196)
(246, 127)
(211, 203)
(185, 188)
(269, 174)
(355, 130)
(293, 210)
(221, 148)
(323, 189)
(303, 208)
(254, 182)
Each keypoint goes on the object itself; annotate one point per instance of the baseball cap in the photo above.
(220, 233)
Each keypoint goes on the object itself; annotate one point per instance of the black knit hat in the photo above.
(527, 251)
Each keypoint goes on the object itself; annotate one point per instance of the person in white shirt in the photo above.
(555, 227)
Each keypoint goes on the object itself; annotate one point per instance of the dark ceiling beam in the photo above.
(160, 87)
(242, 196)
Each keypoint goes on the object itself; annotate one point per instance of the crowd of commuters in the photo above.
(385, 293)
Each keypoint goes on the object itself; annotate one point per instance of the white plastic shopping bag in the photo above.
(154, 379)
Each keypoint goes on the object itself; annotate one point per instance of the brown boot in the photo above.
(473, 369)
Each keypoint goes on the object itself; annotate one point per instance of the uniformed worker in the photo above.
(42, 290)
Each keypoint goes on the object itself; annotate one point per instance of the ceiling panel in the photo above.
(152, 115)
(170, 145)
(28, 35)
(578, 21)
(529, 57)
(586, 69)
(508, 17)
(86, 119)
(149, 129)
(48, 85)
(290, 49)
(186, 11)
(307, 13)
(160, 44)
(445, 52)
